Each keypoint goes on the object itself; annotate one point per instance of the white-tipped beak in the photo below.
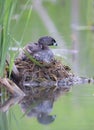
(55, 44)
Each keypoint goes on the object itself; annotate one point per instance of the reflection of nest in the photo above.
(31, 72)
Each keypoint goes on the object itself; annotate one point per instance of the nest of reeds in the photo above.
(29, 71)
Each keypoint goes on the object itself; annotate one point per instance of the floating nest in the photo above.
(29, 71)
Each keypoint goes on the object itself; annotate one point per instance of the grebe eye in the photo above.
(30, 47)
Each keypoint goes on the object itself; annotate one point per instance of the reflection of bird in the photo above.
(40, 51)
(45, 119)
(39, 108)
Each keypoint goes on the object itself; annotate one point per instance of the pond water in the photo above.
(71, 110)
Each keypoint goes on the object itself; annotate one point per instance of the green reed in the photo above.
(7, 9)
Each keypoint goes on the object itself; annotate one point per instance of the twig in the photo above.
(11, 87)
(10, 102)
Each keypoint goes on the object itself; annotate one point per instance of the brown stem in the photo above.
(11, 87)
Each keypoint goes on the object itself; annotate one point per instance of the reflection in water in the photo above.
(39, 108)
(38, 103)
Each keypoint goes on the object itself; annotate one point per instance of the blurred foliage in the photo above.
(86, 38)
(57, 13)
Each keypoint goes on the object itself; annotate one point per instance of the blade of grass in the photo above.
(22, 37)
(32, 59)
(4, 43)
(21, 13)
(26, 24)
(6, 9)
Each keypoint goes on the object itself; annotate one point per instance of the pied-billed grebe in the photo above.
(40, 51)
